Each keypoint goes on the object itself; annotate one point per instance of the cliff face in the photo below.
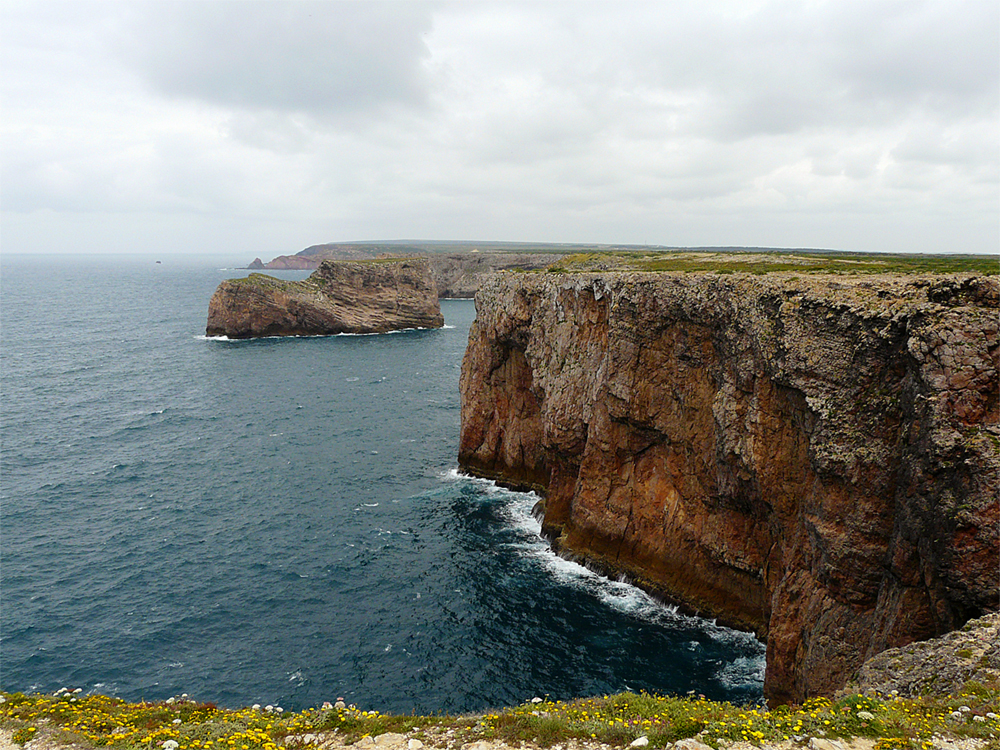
(457, 275)
(339, 297)
(813, 459)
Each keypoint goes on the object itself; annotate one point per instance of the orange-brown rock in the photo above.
(814, 459)
(339, 297)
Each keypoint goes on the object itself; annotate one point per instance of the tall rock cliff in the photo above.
(339, 297)
(814, 459)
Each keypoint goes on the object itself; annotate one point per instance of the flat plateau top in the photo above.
(780, 262)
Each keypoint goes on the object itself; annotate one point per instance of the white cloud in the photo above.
(323, 57)
(859, 125)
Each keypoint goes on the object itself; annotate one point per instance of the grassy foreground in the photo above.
(181, 724)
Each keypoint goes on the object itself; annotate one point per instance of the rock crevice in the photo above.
(814, 459)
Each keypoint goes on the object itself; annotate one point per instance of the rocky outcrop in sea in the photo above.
(813, 458)
(339, 297)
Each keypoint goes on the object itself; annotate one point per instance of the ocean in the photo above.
(282, 520)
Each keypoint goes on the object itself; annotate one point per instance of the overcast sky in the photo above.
(259, 128)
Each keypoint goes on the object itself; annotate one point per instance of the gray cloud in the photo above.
(864, 125)
(299, 56)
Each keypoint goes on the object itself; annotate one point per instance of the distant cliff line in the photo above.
(460, 268)
(373, 296)
(456, 275)
(815, 459)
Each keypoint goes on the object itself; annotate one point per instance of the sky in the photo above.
(260, 128)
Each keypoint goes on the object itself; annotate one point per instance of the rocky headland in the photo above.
(813, 458)
(339, 297)
(457, 275)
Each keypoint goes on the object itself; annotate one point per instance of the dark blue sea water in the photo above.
(281, 521)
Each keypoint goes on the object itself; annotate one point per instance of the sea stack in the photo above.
(813, 458)
(375, 296)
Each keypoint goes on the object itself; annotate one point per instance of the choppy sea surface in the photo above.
(282, 520)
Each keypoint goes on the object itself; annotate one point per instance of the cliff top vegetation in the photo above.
(758, 262)
(69, 718)
(886, 718)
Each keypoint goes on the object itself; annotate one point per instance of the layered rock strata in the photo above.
(457, 275)
(814, 459)
(339, 297)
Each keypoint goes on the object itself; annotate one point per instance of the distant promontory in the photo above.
(375, 296)
(458, 268)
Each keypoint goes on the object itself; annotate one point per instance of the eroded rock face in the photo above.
(814, 459)
(940, 666)
(339, 297)
(457, 275)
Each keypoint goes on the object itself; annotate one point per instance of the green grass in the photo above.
(758, 262)
(616, 720)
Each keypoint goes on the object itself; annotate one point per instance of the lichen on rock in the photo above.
(964, 659)
(813, 458)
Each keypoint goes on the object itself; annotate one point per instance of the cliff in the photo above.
(339, 297)
(457, 275)
(295, 263)
(811, 458)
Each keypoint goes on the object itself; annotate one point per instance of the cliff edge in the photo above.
(811, 458)
(339, 297)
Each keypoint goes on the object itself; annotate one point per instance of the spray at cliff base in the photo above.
(280, 520)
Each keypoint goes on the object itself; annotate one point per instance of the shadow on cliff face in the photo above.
(815, 460)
